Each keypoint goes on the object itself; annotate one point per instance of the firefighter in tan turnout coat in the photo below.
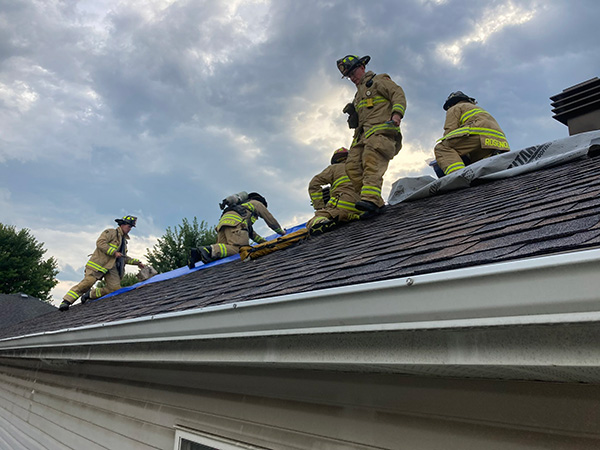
(107, 262)
(376, 112)
(470, 134)
(341, 205)
(234, 229)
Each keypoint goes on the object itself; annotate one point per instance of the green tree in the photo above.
(22, 268)
(174, 246)
(129, 279)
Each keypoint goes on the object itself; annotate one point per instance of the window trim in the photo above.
(219, 442)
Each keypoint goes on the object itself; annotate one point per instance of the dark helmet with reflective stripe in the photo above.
(350, 62)
(456, 97)
(127, 220)
(339, 155)
(259, 198)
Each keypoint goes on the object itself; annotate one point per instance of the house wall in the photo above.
(95, 405)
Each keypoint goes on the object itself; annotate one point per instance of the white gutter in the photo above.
(561, 288)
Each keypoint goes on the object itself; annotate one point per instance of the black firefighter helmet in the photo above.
(349, 62)
(455, 97)
(127, 220)
(259, 198)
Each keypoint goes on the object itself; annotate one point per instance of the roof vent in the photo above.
(578, 106)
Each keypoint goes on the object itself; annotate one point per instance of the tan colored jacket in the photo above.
(466, 118)
(342, 192)
(103, 259)
(377, 98)
(252, 210)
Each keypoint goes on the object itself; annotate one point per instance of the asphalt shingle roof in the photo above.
(544, 212)
(15, 308)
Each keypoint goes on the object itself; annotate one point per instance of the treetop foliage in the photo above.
(22, 267)
(173, 248)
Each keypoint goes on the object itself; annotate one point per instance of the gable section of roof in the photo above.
(16, 308)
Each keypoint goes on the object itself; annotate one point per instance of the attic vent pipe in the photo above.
(578, 106)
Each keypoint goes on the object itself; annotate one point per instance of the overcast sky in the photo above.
(161, 108)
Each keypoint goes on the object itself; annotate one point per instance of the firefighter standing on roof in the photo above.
(235, 228)
(376, 113)
(341, 205)
(107, 262)
(470, 134)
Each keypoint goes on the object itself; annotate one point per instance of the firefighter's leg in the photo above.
(321, 215)
(112, 282)
(480, 153)
(322, 221)
(448, 152)
(229, 241)
(354, 166)
(343, 215)
(379, 150)
(81, 288)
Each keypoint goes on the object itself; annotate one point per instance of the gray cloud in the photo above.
(109, 108)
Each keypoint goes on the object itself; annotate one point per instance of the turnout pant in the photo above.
(449, 151)
(229, 241)
(111, 278)
(331, 212)
(368, 161)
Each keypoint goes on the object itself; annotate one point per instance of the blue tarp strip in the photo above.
(185, 270)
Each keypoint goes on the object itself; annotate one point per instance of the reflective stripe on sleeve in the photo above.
(97, 267)
(341, 180)
(399, 108)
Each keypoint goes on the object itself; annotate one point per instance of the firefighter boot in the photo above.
(194, 258)
(206, 254)
(64, 306)
(85, 297)
(322, 226)
(366, 205)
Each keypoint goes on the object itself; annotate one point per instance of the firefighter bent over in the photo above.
(107, 262)
(235, 228)
(470, 134)
(376, 112)
(341, 205)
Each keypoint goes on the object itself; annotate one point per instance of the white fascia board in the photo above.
(554, 289)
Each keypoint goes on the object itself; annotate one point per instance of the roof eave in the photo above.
(496, 294)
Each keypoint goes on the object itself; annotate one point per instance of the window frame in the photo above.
(211, 440)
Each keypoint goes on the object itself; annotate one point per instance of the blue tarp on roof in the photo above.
(185, 270)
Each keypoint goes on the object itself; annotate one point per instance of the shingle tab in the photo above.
(549, 211)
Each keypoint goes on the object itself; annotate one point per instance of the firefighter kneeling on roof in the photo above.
(340, 207)
(108, 262)
(470, 134)
(240, 212)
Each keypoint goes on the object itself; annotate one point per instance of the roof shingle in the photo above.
(548, 211)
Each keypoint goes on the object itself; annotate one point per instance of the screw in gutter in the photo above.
(410, 281)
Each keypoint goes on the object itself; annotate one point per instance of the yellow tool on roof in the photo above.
(280, 243)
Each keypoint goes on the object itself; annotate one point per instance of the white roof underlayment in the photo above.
(506, 165)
